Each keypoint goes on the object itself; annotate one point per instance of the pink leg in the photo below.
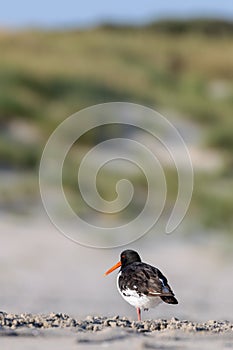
(139, 313)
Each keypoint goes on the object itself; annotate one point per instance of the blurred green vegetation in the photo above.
(186, 66)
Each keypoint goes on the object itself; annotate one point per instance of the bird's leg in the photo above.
(139, 313)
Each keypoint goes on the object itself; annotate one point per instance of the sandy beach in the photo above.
(43, 272)
(57, 331)
(118, 339)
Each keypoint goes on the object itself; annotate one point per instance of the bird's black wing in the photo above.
(146, 280)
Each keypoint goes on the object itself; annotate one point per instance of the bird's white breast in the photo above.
(141, 301)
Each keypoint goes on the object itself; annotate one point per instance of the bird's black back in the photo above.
(146, 280)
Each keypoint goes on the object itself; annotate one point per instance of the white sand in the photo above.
(42, 271)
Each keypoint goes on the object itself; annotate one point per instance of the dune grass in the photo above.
(46, 76)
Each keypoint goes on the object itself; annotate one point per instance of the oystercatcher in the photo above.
(141, 284)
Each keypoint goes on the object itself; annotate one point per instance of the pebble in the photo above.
(97, 323)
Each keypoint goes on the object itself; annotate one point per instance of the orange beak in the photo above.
(113, 268)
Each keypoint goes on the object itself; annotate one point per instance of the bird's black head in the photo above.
(128, 257)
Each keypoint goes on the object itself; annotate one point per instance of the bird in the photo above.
(140, 284)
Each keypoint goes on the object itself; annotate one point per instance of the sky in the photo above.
(51, 13)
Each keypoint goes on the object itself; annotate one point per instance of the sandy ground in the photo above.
(117, 339)
(42, 271)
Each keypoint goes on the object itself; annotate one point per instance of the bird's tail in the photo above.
(169, 299)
